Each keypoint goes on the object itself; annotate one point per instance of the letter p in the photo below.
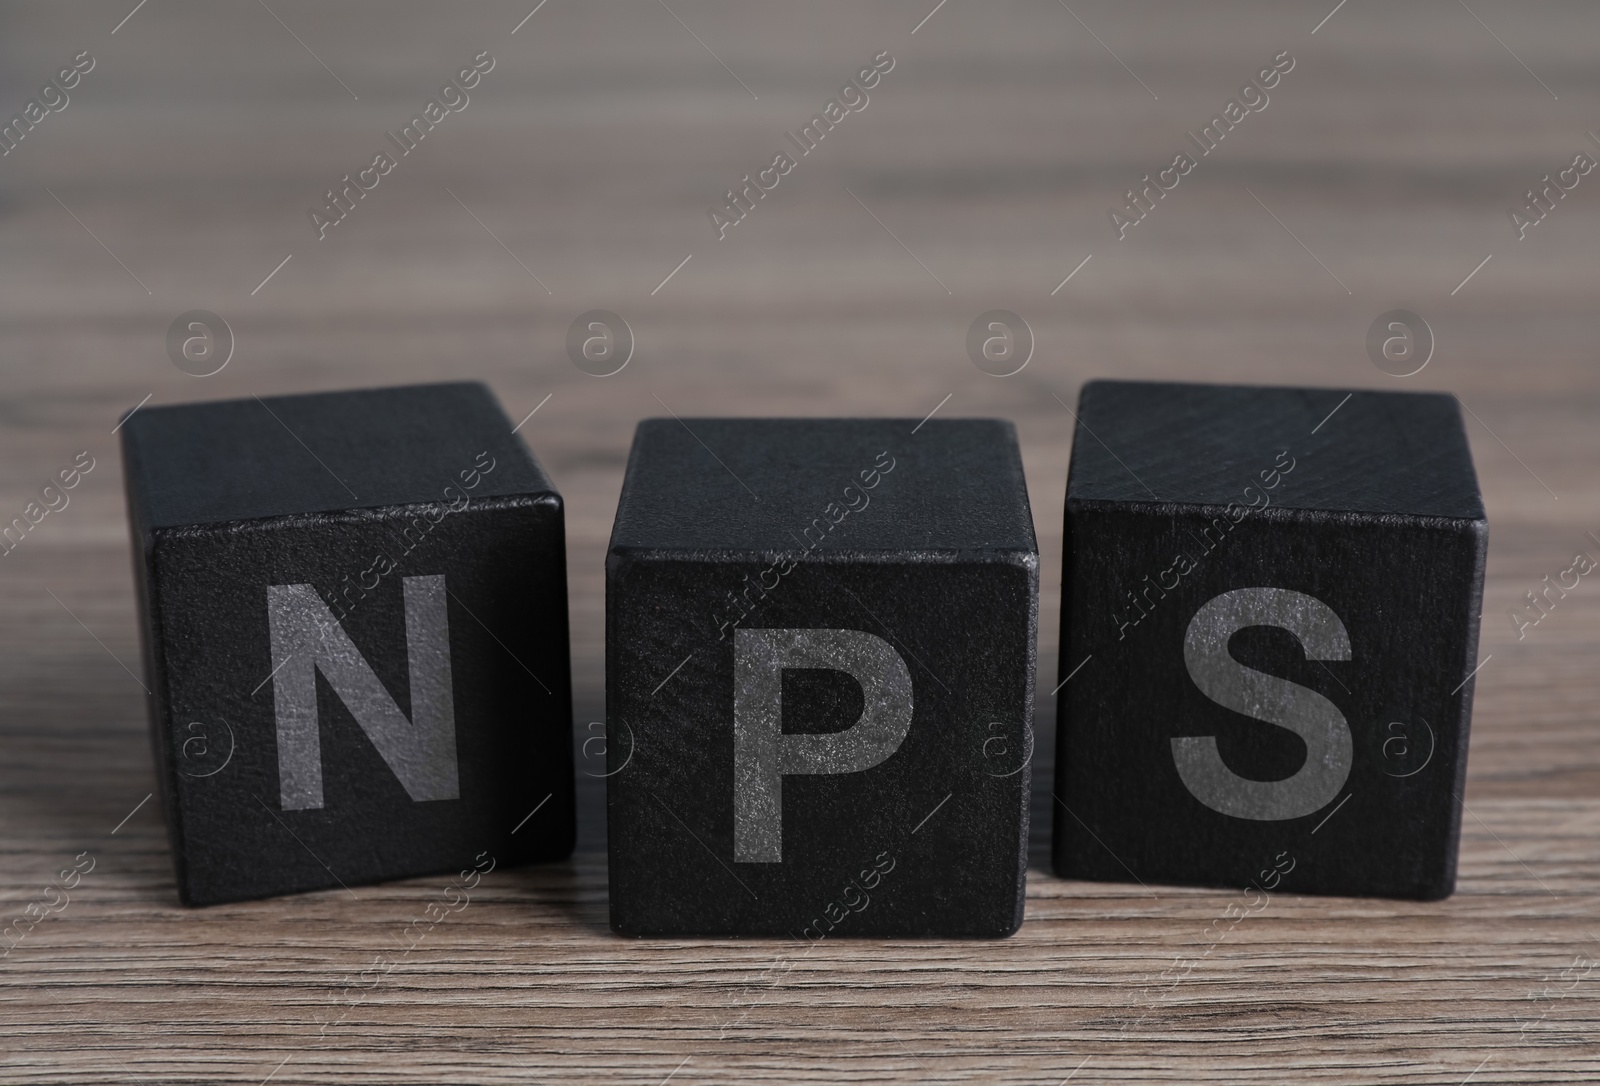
(763, 755)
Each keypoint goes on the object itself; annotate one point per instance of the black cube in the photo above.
(354, 623)
(1270, 605)
(820, 655)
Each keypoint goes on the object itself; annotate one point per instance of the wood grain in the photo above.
(589, 156)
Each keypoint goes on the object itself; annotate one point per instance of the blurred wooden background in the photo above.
(589, 156)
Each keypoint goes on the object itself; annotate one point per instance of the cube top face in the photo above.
(245, 459)
(1264, 693)
(1379, 452)
(752, 485)
(811, 735)
(347, 695)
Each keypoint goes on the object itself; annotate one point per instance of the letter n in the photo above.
(306, 638)
(763, 755)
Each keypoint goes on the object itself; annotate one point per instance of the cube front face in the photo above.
(849, 761)
(1342, 645)
(819, 679)
(345, 699)
(1272, 696)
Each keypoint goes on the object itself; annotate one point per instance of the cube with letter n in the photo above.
(1270, 605)
(820, 648)
(353, 611)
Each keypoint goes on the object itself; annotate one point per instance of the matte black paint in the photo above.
(942, 563)
(1380, 518)
(228, 498)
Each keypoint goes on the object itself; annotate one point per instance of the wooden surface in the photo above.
(992, 151)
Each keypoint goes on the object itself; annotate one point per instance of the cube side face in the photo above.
(1281, 690)
(154, 671)
(352, 698)
(885, 705)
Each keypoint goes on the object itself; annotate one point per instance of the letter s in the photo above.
(1308, 714)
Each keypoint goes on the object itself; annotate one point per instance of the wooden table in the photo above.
(979, 176)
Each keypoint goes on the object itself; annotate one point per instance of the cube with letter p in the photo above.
(820, 646)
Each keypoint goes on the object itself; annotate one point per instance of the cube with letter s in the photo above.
(1270, 607)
